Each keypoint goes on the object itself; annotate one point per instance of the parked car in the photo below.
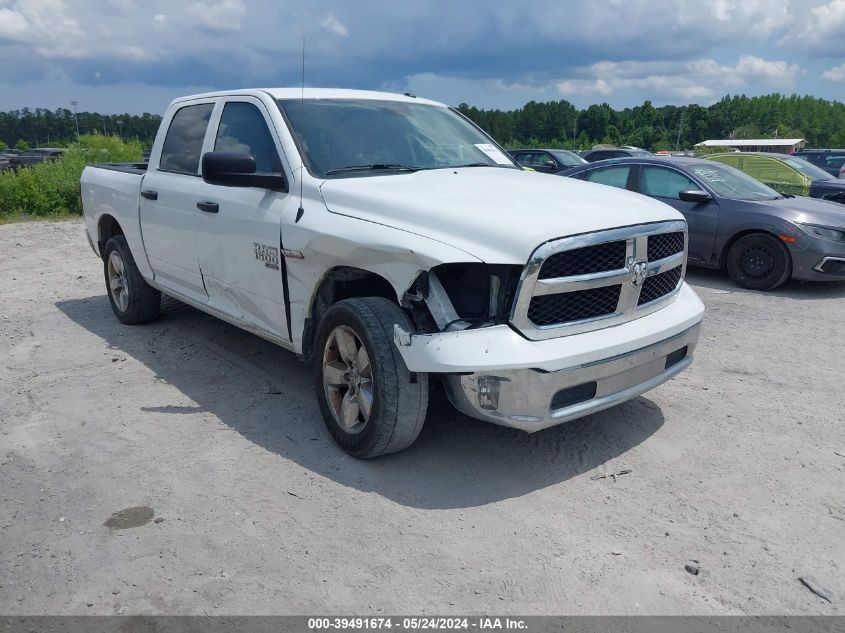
(830, 160)
(594, 155)
(5, 162)
(9, 151)
(736, 222)
(391, 243)
(34, 156)
(786, 174)
(547, 160)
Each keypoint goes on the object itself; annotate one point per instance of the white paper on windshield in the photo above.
(494, 153)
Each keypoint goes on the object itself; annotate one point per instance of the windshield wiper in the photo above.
(372, 167)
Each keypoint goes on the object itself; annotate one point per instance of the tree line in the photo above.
(561, 124)
(41, 127)
(548, 124)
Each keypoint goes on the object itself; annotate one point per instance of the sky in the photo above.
(126, 56)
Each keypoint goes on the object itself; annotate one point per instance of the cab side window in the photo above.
(243, 129)
(614, 176)
(183, 143)
(660, 182)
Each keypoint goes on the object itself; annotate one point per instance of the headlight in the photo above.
(824, 232)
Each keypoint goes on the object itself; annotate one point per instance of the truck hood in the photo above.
(495, 214)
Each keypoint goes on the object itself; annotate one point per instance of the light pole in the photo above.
(75, 118)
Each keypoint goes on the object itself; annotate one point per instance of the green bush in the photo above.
(52, 188)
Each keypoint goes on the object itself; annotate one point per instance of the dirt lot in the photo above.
(247, 506)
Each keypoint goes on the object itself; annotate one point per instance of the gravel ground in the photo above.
(182, 467)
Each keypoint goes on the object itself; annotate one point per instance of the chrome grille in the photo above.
(664, 245)
(573, 306)
(584, 261)
(596, 280)
(659, 285)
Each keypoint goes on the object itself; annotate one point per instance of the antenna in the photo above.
(300, 210)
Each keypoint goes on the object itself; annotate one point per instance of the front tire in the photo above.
(133, 300)
(759, 262)
(371, 403)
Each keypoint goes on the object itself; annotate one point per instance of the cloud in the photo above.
(584, 87)
(225, 15)
(819, 31)
(333, 25)
(13, 25)
(837, 73)
(698, 79)
(614, 50)
(45, 22)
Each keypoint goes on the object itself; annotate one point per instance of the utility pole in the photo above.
(75, 118)
(680, 126)
(120, 127)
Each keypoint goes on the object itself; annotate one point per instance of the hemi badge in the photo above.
(289, 254)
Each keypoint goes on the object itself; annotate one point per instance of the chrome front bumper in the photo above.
(532, 400)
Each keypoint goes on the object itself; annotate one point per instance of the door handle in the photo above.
(149, 194)
(208, 207)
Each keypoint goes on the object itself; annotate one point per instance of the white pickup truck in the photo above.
(392, 244)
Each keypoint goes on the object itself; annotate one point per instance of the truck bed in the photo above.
(114, 190)
(129, 168)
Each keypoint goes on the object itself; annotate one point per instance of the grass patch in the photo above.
(51, 189)
(25, 217)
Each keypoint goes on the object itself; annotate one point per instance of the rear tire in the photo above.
(371, 403)
(133, 300)
(759, 262)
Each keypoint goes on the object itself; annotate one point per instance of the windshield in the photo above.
(568, 158)
(731, 183)
(808, 169)
(343, 137)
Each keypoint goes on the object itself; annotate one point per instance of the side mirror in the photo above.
(234, 169)
(695, 195)
(550, 164)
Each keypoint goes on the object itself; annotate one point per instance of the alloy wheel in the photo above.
(117, 282)
(348, 379)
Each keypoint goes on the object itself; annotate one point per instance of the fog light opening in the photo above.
(574, 395)
(676, 357)
(488, 392)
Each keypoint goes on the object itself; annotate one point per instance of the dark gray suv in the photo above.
(831, 160)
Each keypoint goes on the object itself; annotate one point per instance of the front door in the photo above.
(239, 242)
(702, 217)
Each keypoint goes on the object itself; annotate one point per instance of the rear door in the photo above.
(169, 194)
(665, 184)
(240, 243)
(613, 176)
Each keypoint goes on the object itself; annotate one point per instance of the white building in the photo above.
(778, 145)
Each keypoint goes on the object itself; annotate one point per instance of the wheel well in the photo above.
(342, 282)
(107, 228)
(723, 256)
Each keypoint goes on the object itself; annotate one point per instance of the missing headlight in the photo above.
(479, 294)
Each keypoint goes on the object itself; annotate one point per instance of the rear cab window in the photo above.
(183, 144)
